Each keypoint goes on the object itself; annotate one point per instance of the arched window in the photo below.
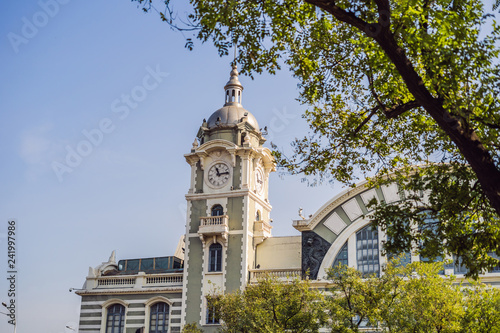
(257, 216)
(215, 258)
(341, 258)
(217, 210)
(159, 318)
(115, 320)
(367, 251)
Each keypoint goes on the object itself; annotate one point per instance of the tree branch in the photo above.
(399, 109)
(490, 125)
(339, 13)
(466, 140)
(390, 113)
(358, 128)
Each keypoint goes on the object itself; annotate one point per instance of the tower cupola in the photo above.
(232, 112)
(233, 89)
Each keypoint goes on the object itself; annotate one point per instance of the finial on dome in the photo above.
(233, 88)
(234, 72)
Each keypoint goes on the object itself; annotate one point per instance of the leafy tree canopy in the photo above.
(406, 299)
(390, 84)
(409, 299)
(191, 328)
(271, 306)
(412, 298)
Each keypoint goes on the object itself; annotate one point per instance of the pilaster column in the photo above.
(245, 169)
(192, 160)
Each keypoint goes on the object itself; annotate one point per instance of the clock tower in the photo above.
(228, 210)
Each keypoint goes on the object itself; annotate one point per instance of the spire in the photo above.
(233, 89)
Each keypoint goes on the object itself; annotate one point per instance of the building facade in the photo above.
(228, 241)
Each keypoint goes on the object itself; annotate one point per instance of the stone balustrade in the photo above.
(285, 273)
(137, 281)
(213, 220)
(214, 226)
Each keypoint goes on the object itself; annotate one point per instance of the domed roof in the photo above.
(230, 115)
(232, 112)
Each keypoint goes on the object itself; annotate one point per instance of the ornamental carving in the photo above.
(314, 249)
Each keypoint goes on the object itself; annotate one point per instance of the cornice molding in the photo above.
(128, 291)
(230, 194)
(332, 204)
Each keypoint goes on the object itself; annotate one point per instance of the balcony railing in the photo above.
(264, 226)
(141, 280)
(111, 282)
(282, 274)
(214, 226)
(164, 279)
(261, 231)
(213, 220)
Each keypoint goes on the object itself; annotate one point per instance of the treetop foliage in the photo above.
(270, 306)
(406, 299)
(389, 85)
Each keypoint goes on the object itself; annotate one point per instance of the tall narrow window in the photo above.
(215, 258)
(257, 216)
(159, 317)
(217, 210)
(341, 258)
(367, 251)
(115, 319)
(431, 224)
(212, 317)
(458, 266)
(403, 257)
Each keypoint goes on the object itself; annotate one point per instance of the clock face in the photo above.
(259, 181)
(218, 174)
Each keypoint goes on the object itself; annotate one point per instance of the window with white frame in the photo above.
(159, 317)
(215, 258)
(217, 210)
(115, 318)
(211, 316)
(367, 251)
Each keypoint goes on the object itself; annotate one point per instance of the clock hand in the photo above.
(225, 173)
(217, 170)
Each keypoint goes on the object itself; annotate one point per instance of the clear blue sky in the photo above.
(72, 74)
